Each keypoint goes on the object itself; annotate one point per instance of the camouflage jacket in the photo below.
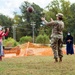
(57, 28)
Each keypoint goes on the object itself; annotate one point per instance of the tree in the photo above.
(5, 21)
(30, 16)
(65, 6)
(71, 21)
(26, 18)
(60, 6)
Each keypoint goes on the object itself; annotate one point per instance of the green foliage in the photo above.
(30, 17)
(5, 21)
(34, 16)
(17, 19)
(10, 42)
(24, 20)
(42, 39)
(25, 39)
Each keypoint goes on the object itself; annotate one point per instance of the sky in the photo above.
(7, 7)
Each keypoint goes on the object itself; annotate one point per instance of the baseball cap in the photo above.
(59, 14)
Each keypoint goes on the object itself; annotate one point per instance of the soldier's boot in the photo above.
(56, 60)
(60, 59)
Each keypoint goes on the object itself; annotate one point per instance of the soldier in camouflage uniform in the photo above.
(56, 36)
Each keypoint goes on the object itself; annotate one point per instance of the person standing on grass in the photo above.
(56, 36)
(69, 44)
(2, 33)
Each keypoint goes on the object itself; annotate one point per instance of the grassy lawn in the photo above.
(37, 65)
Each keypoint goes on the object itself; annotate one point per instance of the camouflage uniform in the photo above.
(56, 37)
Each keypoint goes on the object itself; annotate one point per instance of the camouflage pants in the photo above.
(56, 44)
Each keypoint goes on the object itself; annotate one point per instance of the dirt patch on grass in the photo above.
(28, 49)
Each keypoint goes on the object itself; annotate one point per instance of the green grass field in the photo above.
(37, 65)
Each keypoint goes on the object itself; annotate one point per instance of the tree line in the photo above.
(22, 23)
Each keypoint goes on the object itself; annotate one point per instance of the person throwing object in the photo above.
(56, 36)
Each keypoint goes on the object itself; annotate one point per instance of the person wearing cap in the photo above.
(2, 33)
(56, 36)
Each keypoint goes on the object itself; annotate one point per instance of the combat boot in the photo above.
(56, 60)
(60, 59)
